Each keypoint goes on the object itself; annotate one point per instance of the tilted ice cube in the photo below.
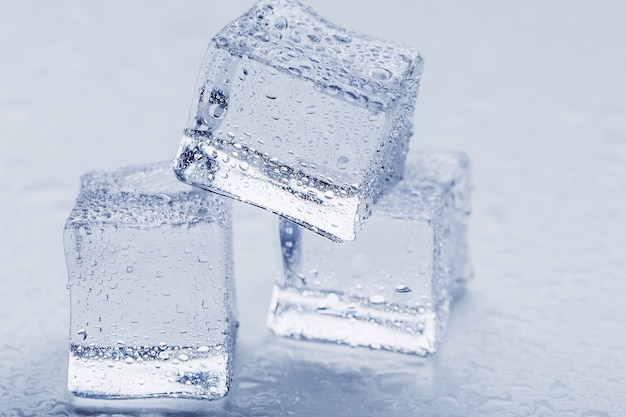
(150, 277)
(301, 117)
(391, 288)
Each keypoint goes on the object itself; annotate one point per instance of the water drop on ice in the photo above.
(314, 37)
(342, 162)
(342, 37)
(329, 302)
(217, 111)
(271, 91)
(280, 23)
(242, 73)
(380, 74)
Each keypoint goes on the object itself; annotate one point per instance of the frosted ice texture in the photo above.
(301, 117)
(150, 279)
(391, 288)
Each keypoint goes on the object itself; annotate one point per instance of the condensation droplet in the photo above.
(342, 162)
(342, 37)
(129, 269)
(242, 73)
(329, 302)
(280, 23)
(217, 111)
(271, 91)
(314, 37)
(221, 41)
(380, 74)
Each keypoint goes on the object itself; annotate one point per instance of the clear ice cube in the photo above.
(150, 278)
(301, 117)
(391, 288)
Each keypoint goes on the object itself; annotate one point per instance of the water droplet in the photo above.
(329, 194)
(342, 37)
(158, 274)
(129, 360)
(221, 41)
(242, 73)
(295, 71)
(83, 333)
(377, 299)
(262, 35)
(166, 198)
(333, 89)
(183, 358)
(342, 162)
(244, 166)
(271, 91)
(329, 302)
(164, 356)
(217, 111)
(380, 74)
(314, 37)
(280, 23)
(129, 269)
(402, 289)
(203, 259)
(203, 349)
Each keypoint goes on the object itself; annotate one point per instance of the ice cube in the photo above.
(391, 288)
(150, 278)
(301, 117)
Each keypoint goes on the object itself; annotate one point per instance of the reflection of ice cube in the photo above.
(392, 287)
(300, 117)
(150, 276)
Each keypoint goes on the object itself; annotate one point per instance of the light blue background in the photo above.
(533, 91)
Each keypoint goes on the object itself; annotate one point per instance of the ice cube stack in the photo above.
(303, 118)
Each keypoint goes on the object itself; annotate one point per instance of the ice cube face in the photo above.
(391, 288)
(150, 277)
(301, 117)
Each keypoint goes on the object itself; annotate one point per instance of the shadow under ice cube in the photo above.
(391, 288)
(150, 278)
(300, 117)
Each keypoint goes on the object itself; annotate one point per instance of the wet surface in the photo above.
(534, 93)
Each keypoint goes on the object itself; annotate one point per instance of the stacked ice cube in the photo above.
(300, 117)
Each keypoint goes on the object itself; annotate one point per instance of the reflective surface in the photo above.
(534, 93)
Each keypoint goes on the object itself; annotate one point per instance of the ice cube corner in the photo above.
(151, 287)
(392, 288)
(301, 117)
